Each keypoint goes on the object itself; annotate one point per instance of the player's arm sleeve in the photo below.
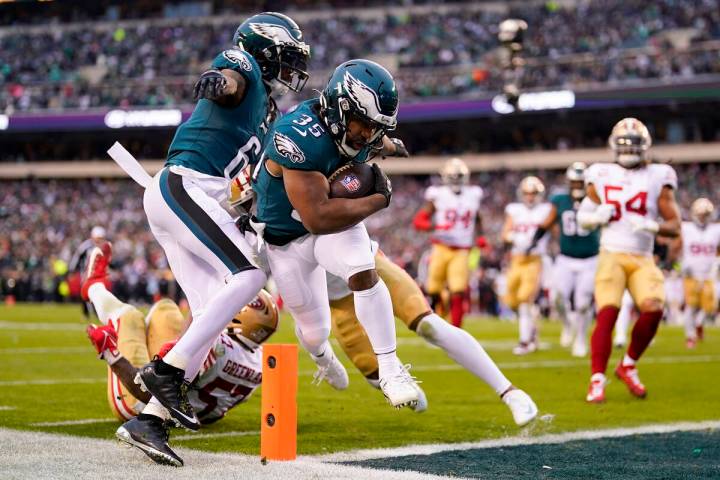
(668, 177)
(430, 194)
(238, 61)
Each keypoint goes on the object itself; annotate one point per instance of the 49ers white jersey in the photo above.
(455, 214)
(633, 192)
(229, 376)
(700, 247)
(525, 221)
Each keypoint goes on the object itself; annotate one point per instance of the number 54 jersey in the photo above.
(634, 192)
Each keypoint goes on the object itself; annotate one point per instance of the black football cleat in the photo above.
(150, 434)
(170, 390)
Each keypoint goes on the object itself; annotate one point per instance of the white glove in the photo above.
(642, 224)
(604, 213)
(590, 218)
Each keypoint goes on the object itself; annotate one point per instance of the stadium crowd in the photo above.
(43, 222)
(437, 53)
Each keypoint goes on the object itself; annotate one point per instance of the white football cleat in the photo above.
(422, 403)
(524, 348)
(400, 388)
(521, 405)
(579, 349)
(332, 371)
(566, 337)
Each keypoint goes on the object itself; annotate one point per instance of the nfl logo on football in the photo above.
(351, 183)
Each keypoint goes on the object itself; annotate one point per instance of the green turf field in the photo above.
(49, 373)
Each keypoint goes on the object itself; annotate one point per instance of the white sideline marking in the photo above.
(67, 423)
(195, 436)
(4, 325)
(5, 408)
(518, 440)
(50, 381)
(44, 350)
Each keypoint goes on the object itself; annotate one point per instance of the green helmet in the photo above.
(364, 91)
(275, 42)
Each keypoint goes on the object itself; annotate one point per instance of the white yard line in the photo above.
(4, 325)
(6, 408)
(69, 423)
(517, 440)
(196, 436)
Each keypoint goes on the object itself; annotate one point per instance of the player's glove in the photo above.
(642, 224)
(382, 183)
(104, 339)
(605, 213)
(211, 85)
(400, 149)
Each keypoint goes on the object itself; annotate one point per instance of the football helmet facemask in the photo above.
(531, 190)
(629, 141)
(276, 42)
(575, 175)
(455, 174)
(256, 322)
(701, 211)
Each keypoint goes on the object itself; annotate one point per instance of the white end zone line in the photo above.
(199, 436)
(552, 438)
(69, 423)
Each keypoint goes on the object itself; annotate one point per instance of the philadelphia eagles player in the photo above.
(574, 271)
(208, 255)
(307, 233)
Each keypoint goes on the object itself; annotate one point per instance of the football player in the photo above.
(452, 213)
(230, 373)
(212, 261)
(627, 198)
(307, 233)
(700, 240)
(412, 308)
(574, 271)
(522, 219)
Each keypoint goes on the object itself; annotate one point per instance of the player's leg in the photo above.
(583, 302)
(527, 290)
(692, 302)
(164, 324)
(708, 304)
(625, 316)
(458, 279)
(610, 280)
(348, 255)
(647, 286)
(440, 256)
(564, 283)
(303, 286)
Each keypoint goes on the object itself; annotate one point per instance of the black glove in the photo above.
(211, 85)
(382, 183)
(243, 224)
(400, 150)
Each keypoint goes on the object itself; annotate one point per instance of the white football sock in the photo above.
(320, 352)
(584, 318)
(690, 315)
(464, 349)
(623, 322)
(525, 320)
(106, 304)
(216, 315)
(373, 308)
(627, 361)
(155, 408)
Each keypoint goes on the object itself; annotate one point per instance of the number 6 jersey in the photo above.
(634, 192)
(455, 214)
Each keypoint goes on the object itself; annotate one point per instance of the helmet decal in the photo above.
(366, 100)
(287, 148)
(277, 33)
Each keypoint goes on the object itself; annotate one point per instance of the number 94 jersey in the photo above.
(634, 192)
(455, 214)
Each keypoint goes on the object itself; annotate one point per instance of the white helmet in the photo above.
(575, 175)
(701, 211)
(629, 141)
(455, 174)
(531, 185)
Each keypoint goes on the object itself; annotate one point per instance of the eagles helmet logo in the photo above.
(278, 34)
(287, 148)
(365, 99)
(239, 58)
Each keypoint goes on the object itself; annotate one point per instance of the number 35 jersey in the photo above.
(634, 192)
(455, 214)
(229, 376)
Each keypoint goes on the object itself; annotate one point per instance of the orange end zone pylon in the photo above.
(278, 417)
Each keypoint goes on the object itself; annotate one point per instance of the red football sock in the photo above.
(457, 309)
(643, 333)
(601, 340)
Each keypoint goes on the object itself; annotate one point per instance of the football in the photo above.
(353, 180)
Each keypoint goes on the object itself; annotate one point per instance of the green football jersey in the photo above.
(575, 241)
(299, 140)
(221, 141)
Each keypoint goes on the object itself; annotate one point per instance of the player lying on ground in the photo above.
(701, 246)
(127, 340)
(307, 232)
(574, 270)
(523, 277)
(411, 307)
(452, 213)
(626, 199)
